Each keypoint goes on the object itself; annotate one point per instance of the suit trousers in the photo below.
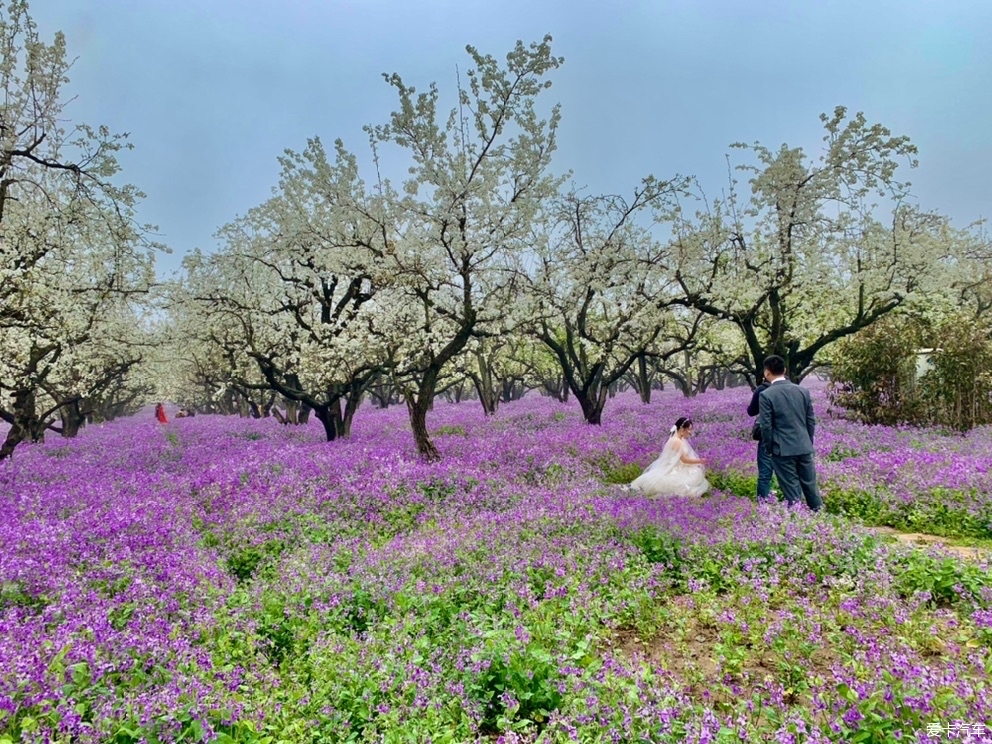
(797, 477)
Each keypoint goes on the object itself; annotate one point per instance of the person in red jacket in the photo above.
(160, 414)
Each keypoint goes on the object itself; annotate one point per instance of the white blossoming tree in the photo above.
(972, 285)
(602, 290)
(810, 258)
(332, 278)
(202, 359)
(477, 179)
(493, 365)
(296, 300)
(73, 261)
(104, 375)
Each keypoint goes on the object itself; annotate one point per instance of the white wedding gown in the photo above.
(669, 476)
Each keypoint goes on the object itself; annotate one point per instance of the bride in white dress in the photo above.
(678, 471)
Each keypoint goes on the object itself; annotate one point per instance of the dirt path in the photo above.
(920, 539)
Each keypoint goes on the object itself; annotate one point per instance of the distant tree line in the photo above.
(485, 274)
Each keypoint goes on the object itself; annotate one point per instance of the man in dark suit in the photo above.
(787, 423)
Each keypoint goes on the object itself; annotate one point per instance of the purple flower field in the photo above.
(233, 580)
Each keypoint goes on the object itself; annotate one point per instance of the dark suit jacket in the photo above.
(752, 407)
(786, 419)
(752, 410)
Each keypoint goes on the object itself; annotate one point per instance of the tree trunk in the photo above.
(592, 403)
(643, 381)
(329, 416)
(684, 385)
(488, 397)
(26, 424)
(557, 388)
(351, 403)
(304, 416)
(381, 392)
(489, 400)
(703, 379)
(417, 406)
(336, 416)
(267, 406)
(72, 419)
(484, 384)
(225, 406)
(511, 390)
(418, 422)
(14, 437)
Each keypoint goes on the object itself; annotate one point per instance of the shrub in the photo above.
(957, 390)
(278, 632)
(839, 452)
(15, 594)
(947, 580)
(873, 371)
(864, 506)
(666, 549)
(624, 473)
(735, 482)
(518, 686)
(243, 562)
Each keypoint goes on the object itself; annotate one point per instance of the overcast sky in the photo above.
(212, 91)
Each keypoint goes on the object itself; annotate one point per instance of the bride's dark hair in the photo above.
(683, 423)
